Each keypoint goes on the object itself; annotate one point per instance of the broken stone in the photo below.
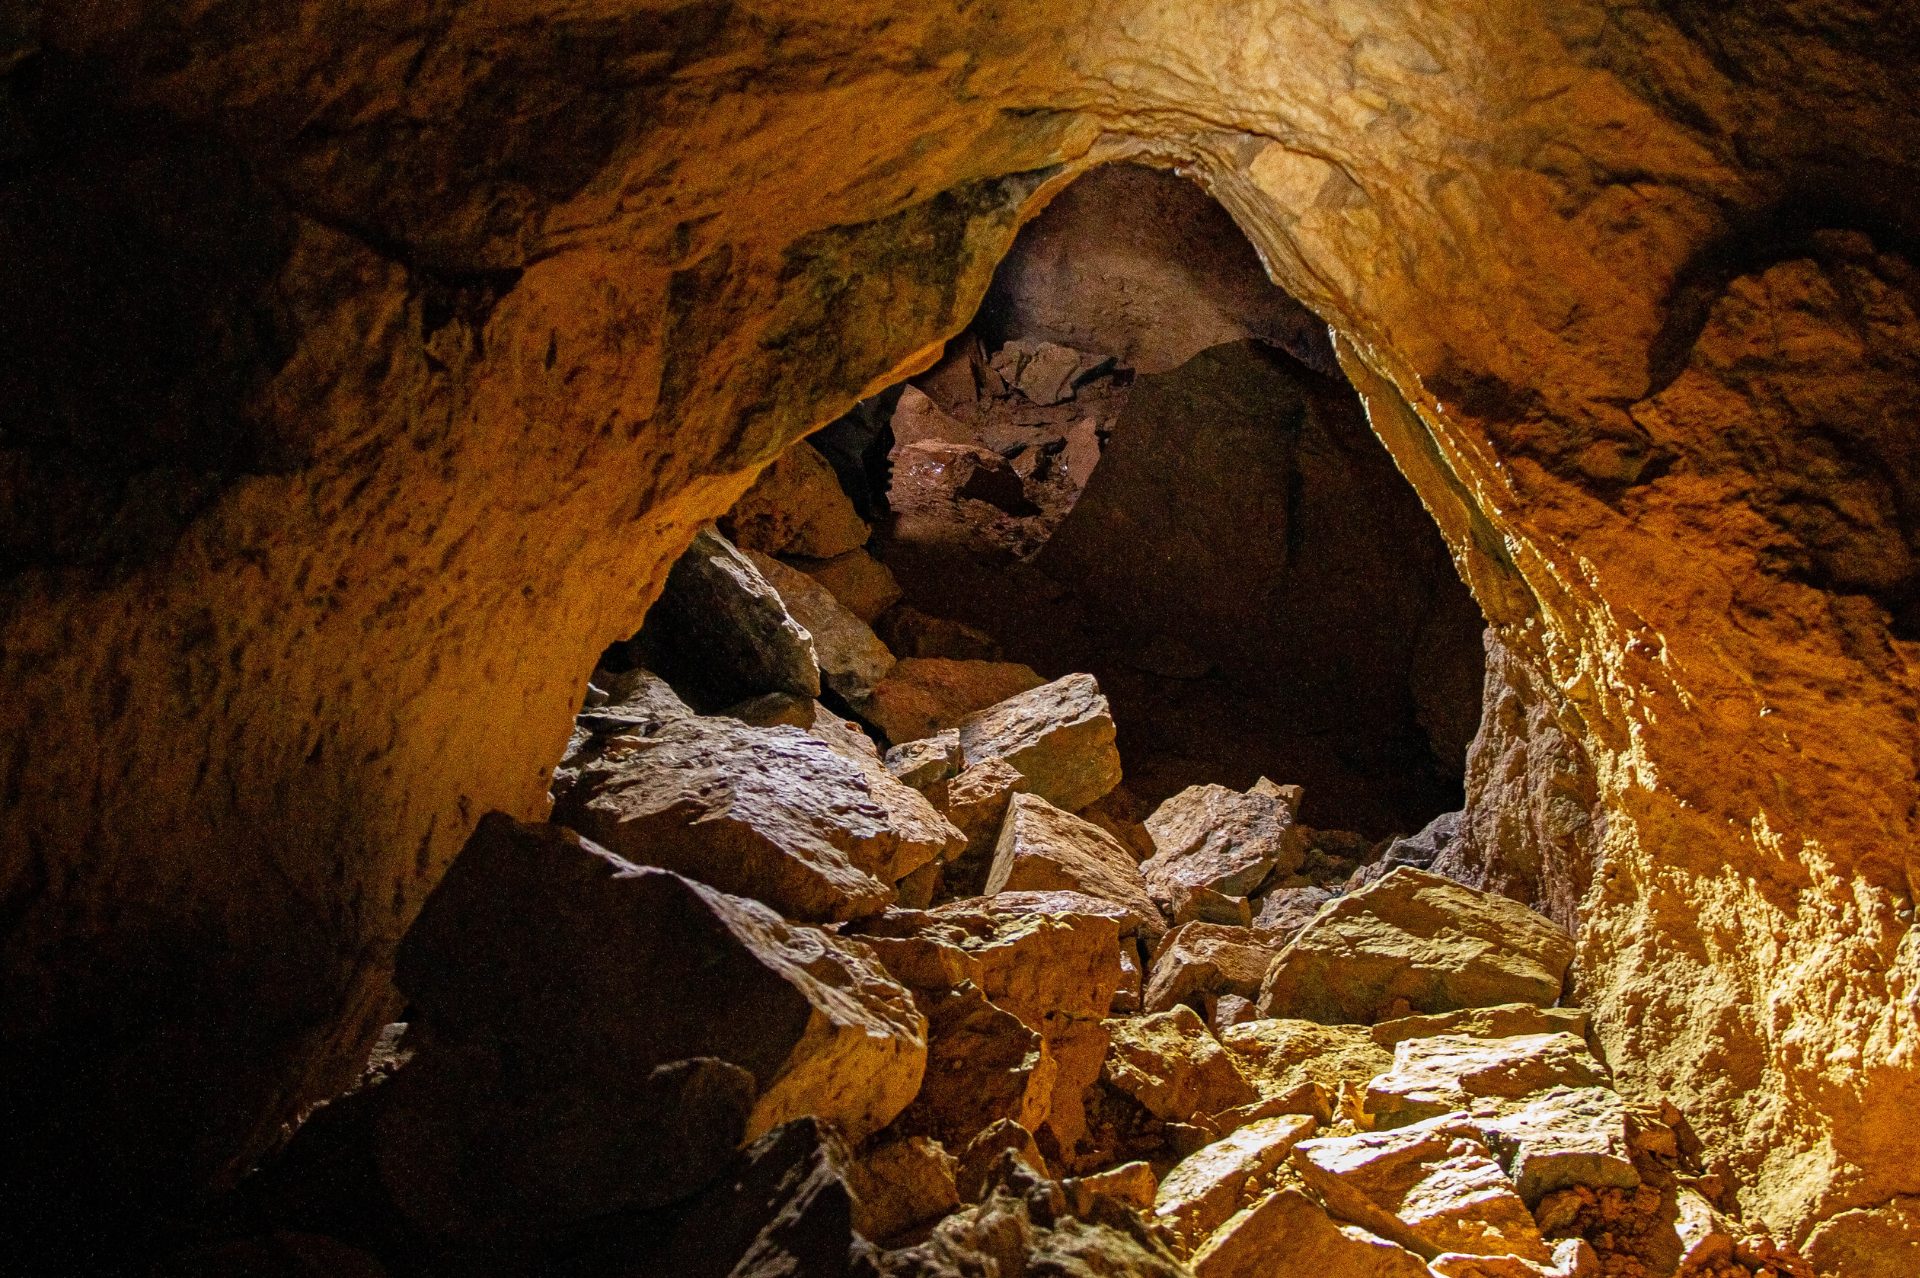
(797, 507)
(983, 1065)
(926, 763)
(1044, 849)
(1173, 1066)
(1188, 903)
(784, 1207)
(770, 812)
(720, 634)
(924, 696)
(987, 1153)
(852, 658)
(1127, 998)
(976, 804)
(1082, 452)
(1130, 1183)
(1060, 736)
(1432, 1188)
(1415, 942)
(1283, 912)
(1207, 1187)
(917, 890)
(1435, 1076)
(1230, 1010)
(904, 1182)
(1287, 1235)
(581, 965)
(1503, 1021)
(1281, 1057)
(1118, 812)
(1208, 836)
(919, 419)
(1560, 1138)
(1419, 851)
(913, 633)
(777, 709)
(864, 586)
(1044, 372)
(1198, 962)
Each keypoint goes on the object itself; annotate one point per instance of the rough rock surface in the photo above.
(463, 318)
(1287, 1235)
(861, 583)
(1283, 1057)
(796, 507)
(1443, 1074)
(1207, 1187)
(1172, 1064)
(1197, 963)
(1211, 837)
(721, 633)
(1042, 849)
(1414, 942)
(1561, 1137)
(922, 696)
(851, 657)
(1502, 1021)
(1059, 736)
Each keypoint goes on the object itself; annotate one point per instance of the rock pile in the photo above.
(764, 1001)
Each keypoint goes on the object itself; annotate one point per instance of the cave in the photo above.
(383, 385)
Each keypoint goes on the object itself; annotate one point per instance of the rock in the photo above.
(918, 419)
(976, 804)
(1432, 1188)
(1046, 372)
(1435, 1076)
(1190, 904)
(1230, 1010)
(720, 634)
(1882, 1241)
(1502, 1021)
(1414, 942)
(539, 942)
(1286, 1235)
(1044, 849)
(1196, 963)
(797, 507)
(1059, 736)
(969, 472)
(983, 1065)
(1128, 997)
(917, 890)
(924, 696)
(1130, 1183)
(1283, 912)
(783, 1208)
(1082, 452)
(770, 812)
(852, 658)
(1281, 1057)
(913, 633)
(1562, 1137)
(864, 586)
(926, 763)
(1172, 1065)
(1419, 851)
(1208, 836)
(1207, 1187)
(777, 709)
(987, 1153)
(901, 1183)
(638, 692)
(1118, 813)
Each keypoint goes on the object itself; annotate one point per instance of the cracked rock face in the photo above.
(440, 335)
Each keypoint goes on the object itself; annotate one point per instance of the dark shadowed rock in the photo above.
(852, 658)
(923, 696)
(797, 507)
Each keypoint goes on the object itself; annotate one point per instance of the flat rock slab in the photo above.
(720, 633)
(1059, 736)
(1435, 1076)
(1560, 1138)
(1432, 1188)
(1208, 836)
(1503, 1021)
(1415, 942)
(1043, 849)
(1283, 1056)
(1281, 913)
(1287, 1235)
(544, 944)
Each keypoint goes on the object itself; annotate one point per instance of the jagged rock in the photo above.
(1205, 1188)
(1230, 1010)
(1284, 911)
(913, 633)
(1173, 1066)
(1188, 903)
(1044, 372)
(927, 763)
(917, 890)
(1197, 962)
(1132, 985)
(1131, 1183)
(901, 1183)
(987, 1153)
(1439, 1075)
(1432, 1188)
(776, 709)
(1208, 836)
(864, 586)
(1044, 849)
(1022, 1230)
(1082, 452)
(769, 812)
(918, 419)
(852, 658)
(976, 803)
(1569, 1261)
(924, 696)
(1419, 851)
(1119, 814)
(1502, 1021)
(983, 1065)
(797, 507)
(1414, 942)
(784, 1208)
(1287, 1235)
(639, 692)
(1881, 1241)
(1283, 1057)
(1059, 735)
(593, 968)
(720, 634)
(969, 472)
(1562, 1137)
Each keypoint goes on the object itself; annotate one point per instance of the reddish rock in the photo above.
(923, 696)
(1173, 1066)
(1060, 737)
(864, 586)
(852, 659)
(1197, 963)
(1208, 836)
(1044, 849)
(797, 507)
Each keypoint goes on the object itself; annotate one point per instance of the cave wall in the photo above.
(491, 304)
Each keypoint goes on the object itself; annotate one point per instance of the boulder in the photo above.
(917, 418)
(1435, 1076)
(986, 1156)
(1207, 1187)
(1128, 997)
(797, 507)
(852, 658)
(1415, 942)
(1196, 963)
(926, 763)
(1172, 1065)
(784, 1207)
(1287, 1235)
(778, 709)
(983, 1065)
(913, 633)
(1284, 1058)
(864, 586)
(923, 696)
(1208, 836)
(1281, 913)
(1191, 903)
(774, 813)
(1562, 1137)
(1044, 372)
(976, 803)
(1042, 848)
(1131, 1183)
(590, 970)
(1432, 1188)
(901, 1183)
(719, 632)
(1059, 735)
(1502, 1021)
(1420, 851)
